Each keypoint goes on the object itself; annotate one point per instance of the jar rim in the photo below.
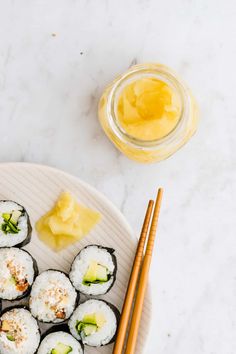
(148, 70)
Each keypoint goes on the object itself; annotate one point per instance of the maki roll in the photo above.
(17, 273)
(19, 332)
(53, 297)
(59, 341)
(15, 228)
(94, 322)
(93, 271)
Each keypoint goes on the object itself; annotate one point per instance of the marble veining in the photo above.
(55, 60)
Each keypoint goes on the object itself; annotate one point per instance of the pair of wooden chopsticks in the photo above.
(141, 264)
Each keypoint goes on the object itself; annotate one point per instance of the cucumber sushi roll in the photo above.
(19, 332)
(94, 322)
(93, 271)
(15, 228)
(59, 341)
(53, 297)
(17, 273)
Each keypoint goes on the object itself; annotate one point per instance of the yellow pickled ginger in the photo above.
(66, 223)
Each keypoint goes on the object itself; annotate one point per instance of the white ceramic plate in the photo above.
(37, 188)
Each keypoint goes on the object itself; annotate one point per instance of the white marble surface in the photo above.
(55, 59)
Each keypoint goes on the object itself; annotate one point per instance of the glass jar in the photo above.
(148, 150)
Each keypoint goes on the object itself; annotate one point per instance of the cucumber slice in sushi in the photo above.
(58, 340)
(93, 271)
(94, 322)
(15, 227)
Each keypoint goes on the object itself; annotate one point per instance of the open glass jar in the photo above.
(146, 147)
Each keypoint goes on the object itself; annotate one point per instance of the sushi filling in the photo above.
(90, 324)
(16, 278)
(11, 329)
(9, 223)
(96, 274)
(55, 298)
(61, 348)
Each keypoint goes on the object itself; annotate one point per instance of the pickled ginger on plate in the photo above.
(66, 223)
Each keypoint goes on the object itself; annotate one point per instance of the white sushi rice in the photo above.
(22, 264)
(52, 339)
(9, 240)
(81, 265)
(26, 333)
(52, 291)
(104, 334)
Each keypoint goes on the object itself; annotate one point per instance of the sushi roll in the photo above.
(17, 273)
(53, 297)
(94, 322)
(19, 332)
(58, 341)
(93, 271)
(15, 228)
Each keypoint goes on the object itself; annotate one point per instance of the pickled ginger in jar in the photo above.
(148, 113)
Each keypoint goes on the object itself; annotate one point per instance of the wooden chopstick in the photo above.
(123, 325)
(138, 306)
